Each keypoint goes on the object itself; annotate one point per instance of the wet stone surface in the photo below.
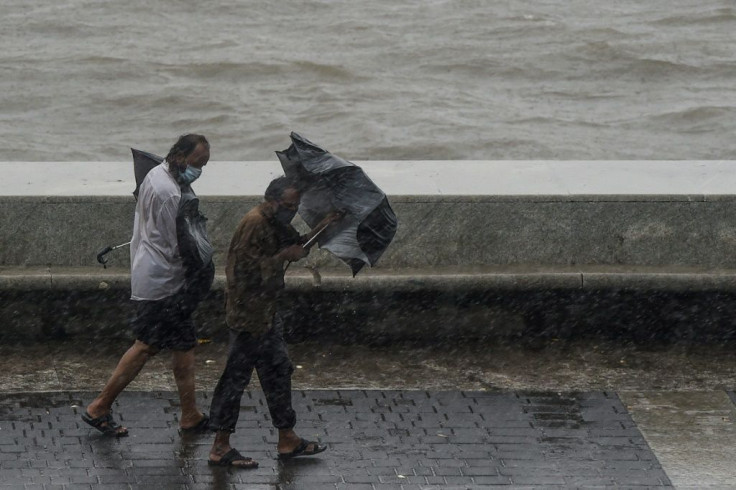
(83, 364)
(571, 414)
(377, 439)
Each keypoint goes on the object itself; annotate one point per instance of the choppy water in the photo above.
(415, 79)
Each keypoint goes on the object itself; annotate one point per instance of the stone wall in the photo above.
(434, 231)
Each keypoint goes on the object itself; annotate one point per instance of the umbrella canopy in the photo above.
(143, 162)
(332, 183)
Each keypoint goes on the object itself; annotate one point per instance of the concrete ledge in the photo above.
(402, 177)
(417, 305)
(516, 278)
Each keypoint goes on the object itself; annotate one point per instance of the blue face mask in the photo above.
(189, 175)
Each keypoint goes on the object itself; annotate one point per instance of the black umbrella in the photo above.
(143, 162)
(332, 183)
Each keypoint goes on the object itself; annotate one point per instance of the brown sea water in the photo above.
(430, 79)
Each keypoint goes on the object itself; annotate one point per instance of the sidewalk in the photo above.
(581, 415)
(378, 439)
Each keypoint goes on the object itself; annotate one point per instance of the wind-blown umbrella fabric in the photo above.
(332, 183)
(143, 162)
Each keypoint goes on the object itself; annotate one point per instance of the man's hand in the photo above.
(293, 253)
(332, 217)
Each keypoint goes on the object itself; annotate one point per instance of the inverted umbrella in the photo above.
(143, 162)
(191, 225)
(332, 183)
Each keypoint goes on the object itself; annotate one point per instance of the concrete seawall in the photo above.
(469, 230)
(434, 231)
(451, 213)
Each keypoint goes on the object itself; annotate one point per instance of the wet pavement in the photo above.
(376, 438)
(577, 414)
(83, 364)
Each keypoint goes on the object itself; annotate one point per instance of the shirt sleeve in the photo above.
(165, 223)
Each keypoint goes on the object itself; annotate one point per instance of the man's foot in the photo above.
(232, 458)
(105, 424)
(202, 426)
(190, 419)
(305, 448)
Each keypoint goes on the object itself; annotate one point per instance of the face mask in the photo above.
(189, 175)
(284, 215)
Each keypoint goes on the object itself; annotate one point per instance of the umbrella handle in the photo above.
(101, 254)
(309, 242)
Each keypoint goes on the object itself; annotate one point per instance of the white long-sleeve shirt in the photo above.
(156, 268)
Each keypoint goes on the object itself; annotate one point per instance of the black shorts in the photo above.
(165, 324)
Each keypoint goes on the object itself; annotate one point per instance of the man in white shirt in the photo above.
(164, 310)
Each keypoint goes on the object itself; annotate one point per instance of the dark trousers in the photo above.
(269, 356)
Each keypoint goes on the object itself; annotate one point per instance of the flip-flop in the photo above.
(202, 426)
(233, 456)
(302, 450)
(105, 424)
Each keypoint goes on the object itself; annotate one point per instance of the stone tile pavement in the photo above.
(378, 439)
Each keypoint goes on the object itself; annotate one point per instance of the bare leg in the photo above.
(127, 369)
(221, 445)
(183, 367)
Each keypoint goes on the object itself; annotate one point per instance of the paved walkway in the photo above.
(581, 415)
(378, 440)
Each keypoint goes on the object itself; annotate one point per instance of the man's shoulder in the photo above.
(162, 184)
(256, 215)
(254, 220)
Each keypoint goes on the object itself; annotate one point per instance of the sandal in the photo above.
(303, 450)
(199, 427)
(105, 424)
(231, 458)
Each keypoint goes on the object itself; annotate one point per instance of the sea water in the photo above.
(86, 80)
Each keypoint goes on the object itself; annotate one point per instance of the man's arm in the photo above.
(251, 265)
